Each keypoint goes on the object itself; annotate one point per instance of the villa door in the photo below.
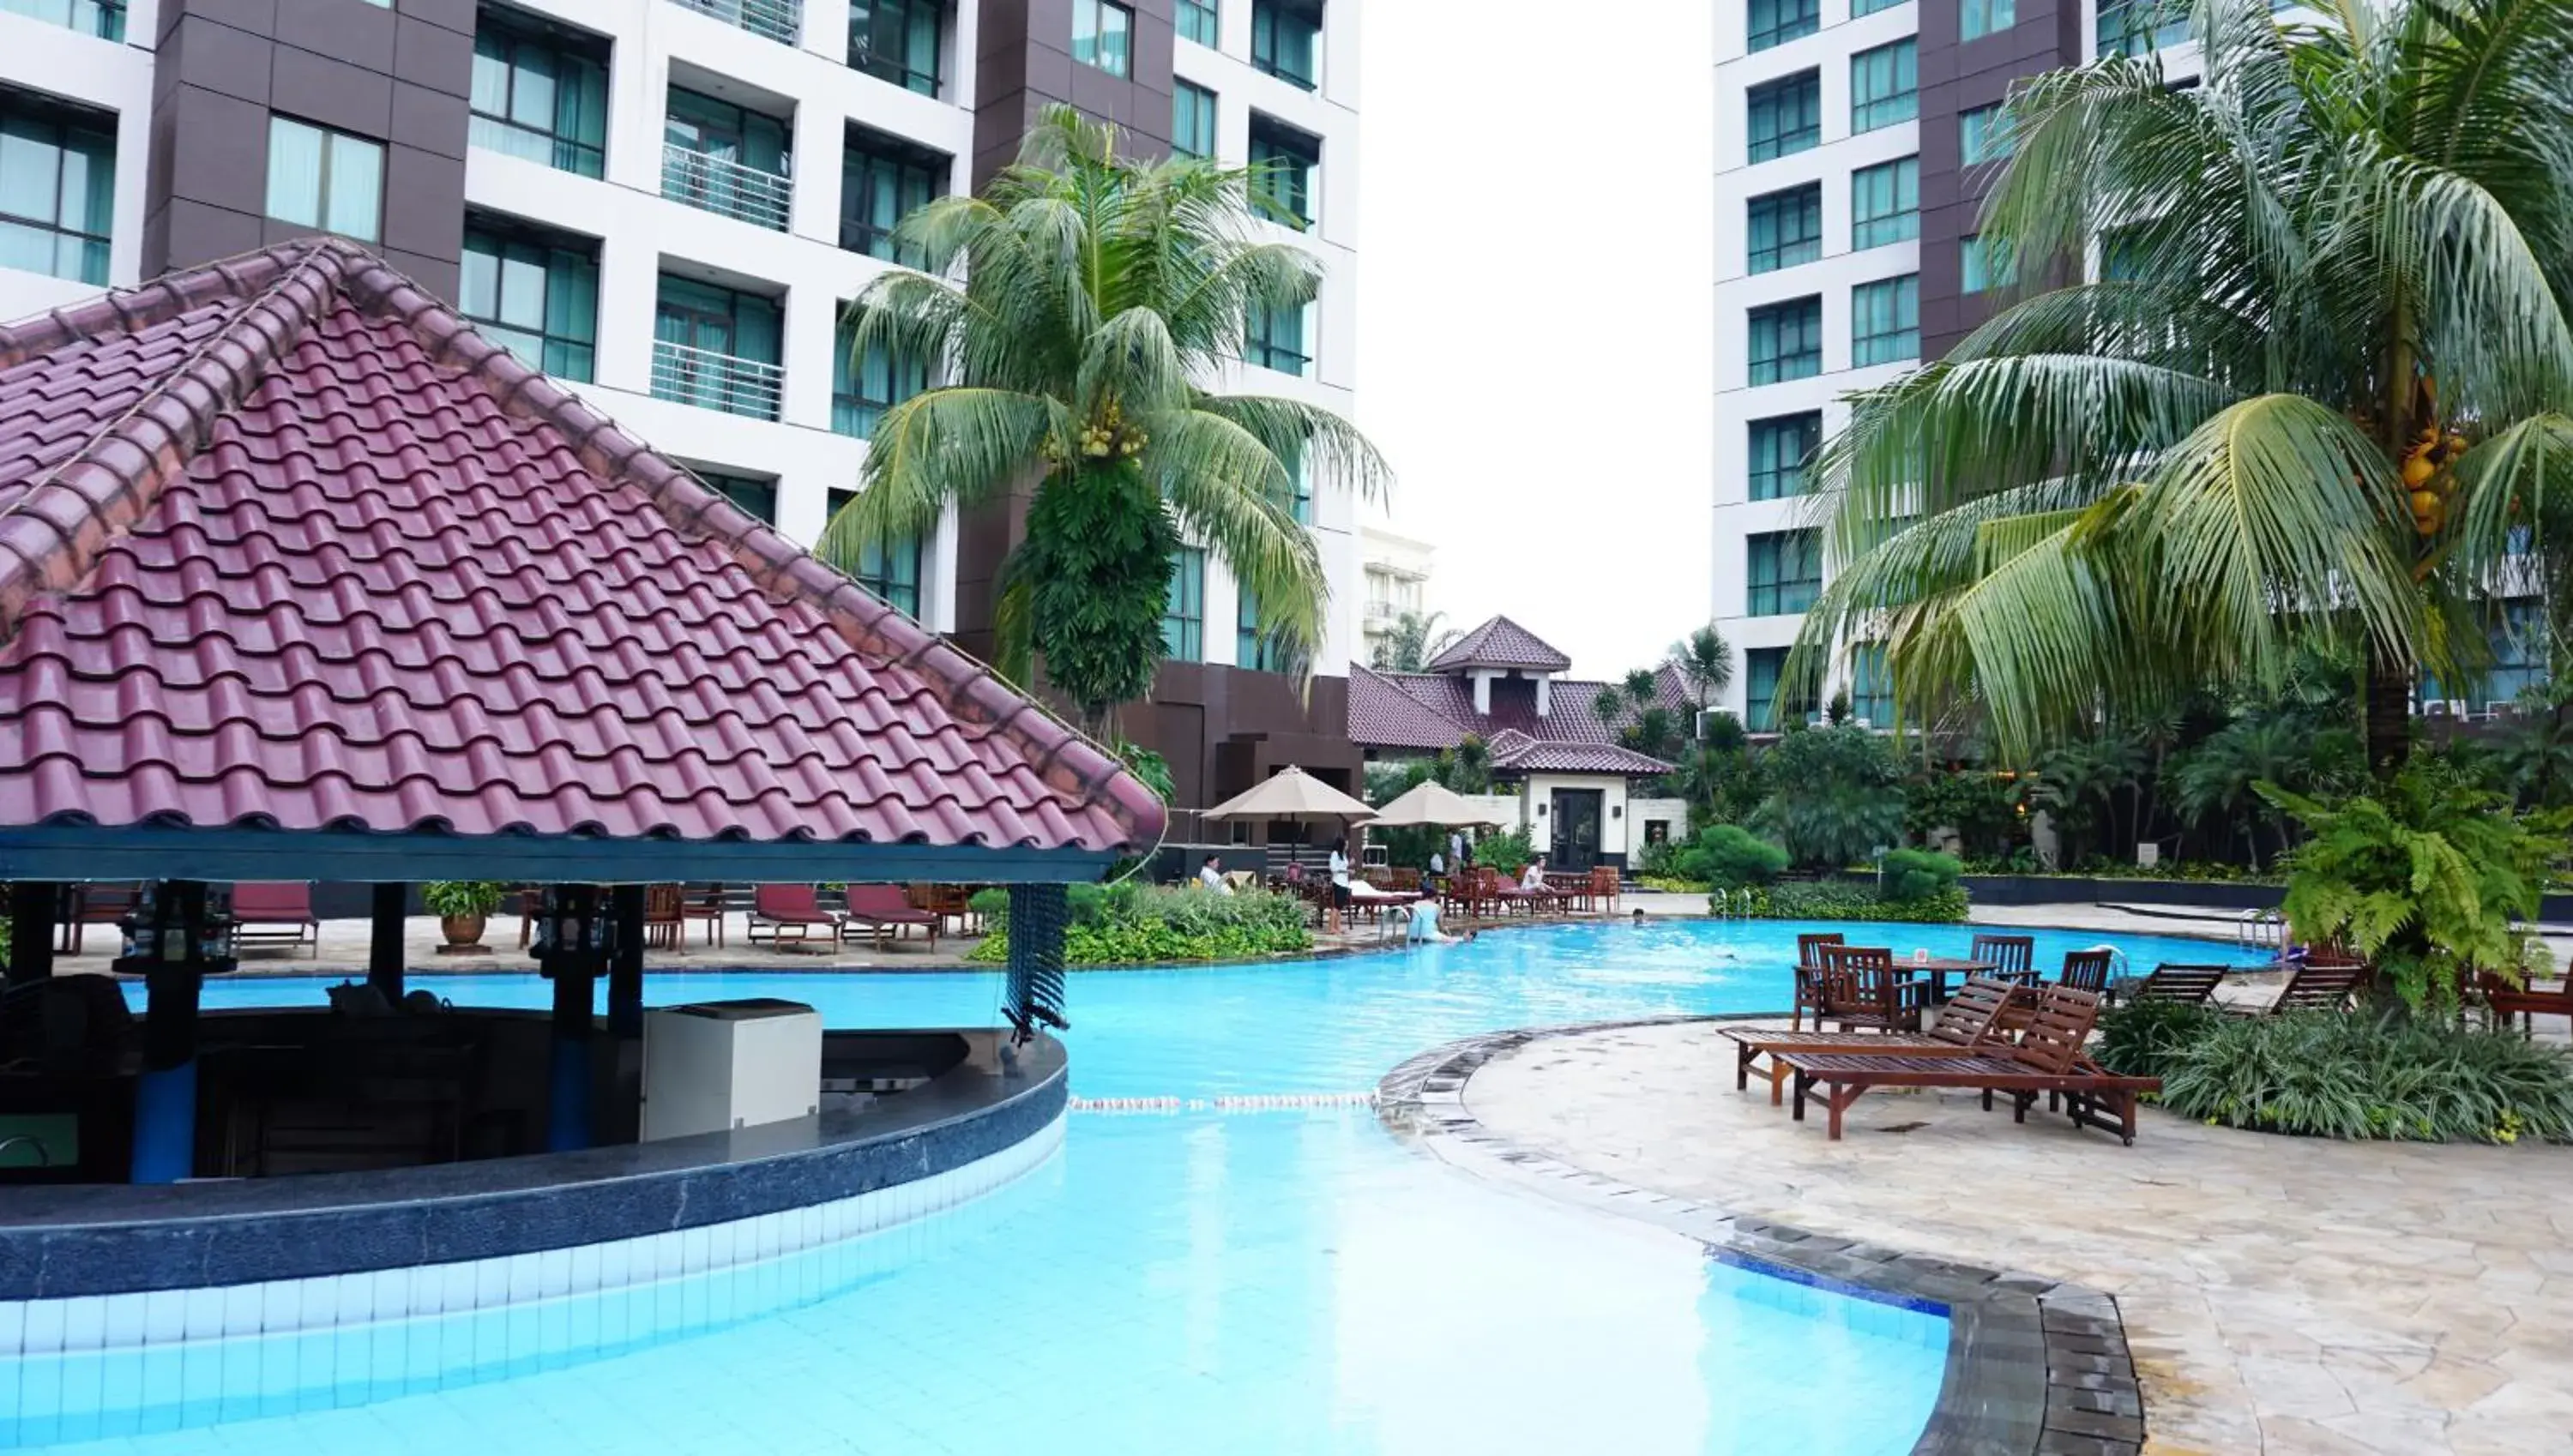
(1576, 828)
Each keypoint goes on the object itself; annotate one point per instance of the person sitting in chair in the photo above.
(1211, 876)
(1534, 877)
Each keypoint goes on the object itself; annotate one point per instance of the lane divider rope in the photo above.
(1255, 1103)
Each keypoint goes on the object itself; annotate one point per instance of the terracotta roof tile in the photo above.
(1501, 642)
(284, 543)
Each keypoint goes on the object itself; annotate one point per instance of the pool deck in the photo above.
(2281, 1296)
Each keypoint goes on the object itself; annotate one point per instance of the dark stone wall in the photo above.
(1957, 77)
(397, 76)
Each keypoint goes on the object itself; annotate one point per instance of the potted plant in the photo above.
(462, 908)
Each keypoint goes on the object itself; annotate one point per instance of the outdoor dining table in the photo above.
(1940, 967)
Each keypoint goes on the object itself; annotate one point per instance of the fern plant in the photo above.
(2428, 875)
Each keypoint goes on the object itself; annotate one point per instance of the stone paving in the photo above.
(2282, 1296)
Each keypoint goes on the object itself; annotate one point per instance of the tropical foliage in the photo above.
(2291, 367)
(1079, 304)
(1414, 639)
(1705, 663)
(2428, 878)
(1725, 855)
(1135, 925)
(1844, 899)
(461, 896)
(1835, 796)
(1912, 874)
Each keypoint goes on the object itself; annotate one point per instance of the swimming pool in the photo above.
(1258, 1283)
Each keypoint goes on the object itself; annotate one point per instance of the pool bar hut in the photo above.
(302, 579)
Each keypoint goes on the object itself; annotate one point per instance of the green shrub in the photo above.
(1840, 899)
(1509, 853)
(1730, 857)
(2403, 1079)
(1835, 796)
(461, 896)
(2139, 1040)
(1132, 923)
(1911, 873)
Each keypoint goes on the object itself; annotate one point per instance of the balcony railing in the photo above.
(703, 180)
(713, 380)
(779, 20)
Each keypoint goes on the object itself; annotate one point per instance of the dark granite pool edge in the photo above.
(2036, 1366)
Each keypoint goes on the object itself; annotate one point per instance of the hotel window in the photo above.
(891, 574)
(1871, 687)
(1884, 85)
(1785, 228)
(1275, 339)
(1103, 35)
(535, 292)
(726, 159)
(862, 389)
(1978, 136)
(1184, 610)
(1283, 160)
(1285, 35)
(1981, 267)
(752, 493)
(1776, 22)
(1199, 22)
(88, 17)
(1297, 498)
(318, 178)
(882, 180)
(1979, 18)
(1870, 7)
(897, 41)
(1192, 119)
(1884, 321)
(1786, 572)
(1253, 648)
(1884, 203)
(1787, 341)
(57, 187)
(1779, 450)
(540, 93)
(716, 348)
(2132, 27)
(1786, 116)
(1762, 705)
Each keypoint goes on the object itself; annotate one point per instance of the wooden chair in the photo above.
(2185, 985)
(2012, 958)
(2503, 1002)
(1975, 1021)
(1861, 987)
(1809, 966)
(84, 906)
(706, 906)
(664, 917)
(2048, 1061)
(2086, 971)
(529, 898)
(1607, 887)
(276, 913)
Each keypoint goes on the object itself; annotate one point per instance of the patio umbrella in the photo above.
(1292, 794)
(1430, 803)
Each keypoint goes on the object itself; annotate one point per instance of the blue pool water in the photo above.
(1265, 1283)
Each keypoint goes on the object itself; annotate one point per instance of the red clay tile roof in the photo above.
(1500, 642)
(1419, 710)
(1575, 758)
(286, 545)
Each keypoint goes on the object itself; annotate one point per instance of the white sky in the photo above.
(1545, 394)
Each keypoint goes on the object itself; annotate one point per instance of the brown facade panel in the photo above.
(1224, 729)
(359, 34)
(335, 94)
(432, 121)
(1957, 77)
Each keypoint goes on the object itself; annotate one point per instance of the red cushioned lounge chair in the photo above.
(276, 913)
(877, 908)
(780, 909)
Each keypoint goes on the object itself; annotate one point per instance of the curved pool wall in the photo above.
(1197, 1277)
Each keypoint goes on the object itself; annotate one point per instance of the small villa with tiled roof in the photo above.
(1550, 748)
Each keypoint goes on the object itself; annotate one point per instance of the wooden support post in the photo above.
(626, 964)
(33, 905)
(384, 951)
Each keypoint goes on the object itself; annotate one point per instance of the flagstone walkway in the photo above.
(2282, 1296)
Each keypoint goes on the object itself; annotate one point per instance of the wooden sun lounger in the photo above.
(1970, 1025)
(2187, 985)
(2047, 1060)
(2317, 986)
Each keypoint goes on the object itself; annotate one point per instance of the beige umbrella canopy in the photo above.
(1292, 793)
(1431, 802)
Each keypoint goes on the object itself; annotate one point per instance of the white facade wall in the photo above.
(1832, 277)
(641, 234)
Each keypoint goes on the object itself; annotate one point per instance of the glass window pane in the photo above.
(294, 171)
(1884, 321)
(1786, 116)
(1884, 203)
(1884, 85)
(1776, 22)
(1984, 17)
(356, 184)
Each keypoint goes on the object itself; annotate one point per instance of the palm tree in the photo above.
(1412, 641)
(1079, 304)
(2219, 779)
(2323, 370)
(1705, 661)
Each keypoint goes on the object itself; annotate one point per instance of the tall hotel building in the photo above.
(1846, 202)
(668, 203)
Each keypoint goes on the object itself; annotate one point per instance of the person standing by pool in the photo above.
(1340, 881)
(1437, 872)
